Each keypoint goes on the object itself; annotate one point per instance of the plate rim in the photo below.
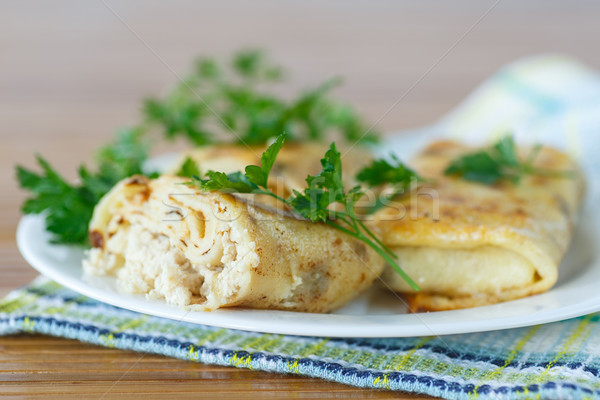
(294, 323)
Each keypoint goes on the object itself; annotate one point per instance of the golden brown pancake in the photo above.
(467, 244)
(212, 250)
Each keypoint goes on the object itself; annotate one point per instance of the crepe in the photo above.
(212, 250)
(467, 244)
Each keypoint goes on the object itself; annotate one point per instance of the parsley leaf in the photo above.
(260, 175)
(499, 162)
(188, 169)
(506, 151)
(235, 182)
(251, 64)
(382, 172)
(315, 203)
(217, 102)
(478, 167)
(178, 118)
(69, 207)
(254, 180)
(208, 106)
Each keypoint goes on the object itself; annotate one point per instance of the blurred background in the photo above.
(71, 72)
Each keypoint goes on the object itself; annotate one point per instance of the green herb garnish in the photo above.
(69, 207)
(324, 200)
(188, 169)
(500, 162)
(216, 103)
(382, 172)
(397, 176)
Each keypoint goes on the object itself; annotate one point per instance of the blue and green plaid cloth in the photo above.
(548, 97)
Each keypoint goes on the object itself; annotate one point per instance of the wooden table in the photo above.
(71, 72)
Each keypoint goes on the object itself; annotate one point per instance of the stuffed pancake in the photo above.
(468, 244)
(173, 242)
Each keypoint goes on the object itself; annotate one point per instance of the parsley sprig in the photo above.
(500, 162)
(188, 169)
(394, 174)
(236, 103)
(69, 207)
(209, 106)
(324, 200)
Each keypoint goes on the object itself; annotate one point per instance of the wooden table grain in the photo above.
(72, 72)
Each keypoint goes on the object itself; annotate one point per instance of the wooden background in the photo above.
(73, 71)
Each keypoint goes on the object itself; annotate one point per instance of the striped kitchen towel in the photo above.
(549, 98)
(552, 361)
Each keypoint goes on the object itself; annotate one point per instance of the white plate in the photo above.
(374, 314)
